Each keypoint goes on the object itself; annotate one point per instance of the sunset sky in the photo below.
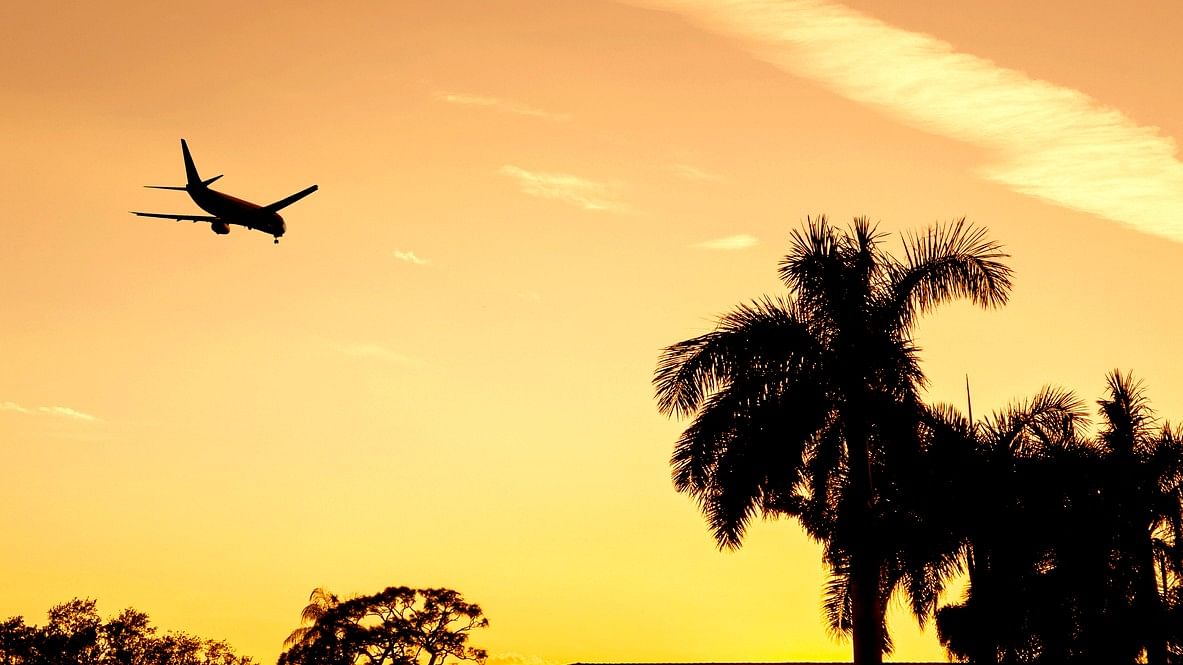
(441, 375)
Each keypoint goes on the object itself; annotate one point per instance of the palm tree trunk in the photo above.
(1152, 606)
(867, 611)
(984, 652)
(865, 571)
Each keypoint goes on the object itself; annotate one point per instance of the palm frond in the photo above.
(744, 448)
(865, 262)
(924, 579)
(813, 267)
(947, 424)
(764, 337)
(320, 603)
(825, 474)
(949, 261)
(837, 602)
(297, 636)
(1127, 419)
(1049, 419)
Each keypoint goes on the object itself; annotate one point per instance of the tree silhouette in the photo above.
(1144, 488)
(397, 626)
(320, 602)
(1071, 542)
(1020, 484)
(802, 404)
(75, 634)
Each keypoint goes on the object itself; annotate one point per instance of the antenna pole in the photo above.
(969, 402)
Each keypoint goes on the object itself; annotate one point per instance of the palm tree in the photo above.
(1145, 491)
(1073, 544)
(801, 404)
(314, 625)
(1011, 487)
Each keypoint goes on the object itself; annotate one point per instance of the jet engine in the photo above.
(220, 228)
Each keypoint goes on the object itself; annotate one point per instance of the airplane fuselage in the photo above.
(232, 210)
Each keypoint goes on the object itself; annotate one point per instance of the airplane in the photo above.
(225, 209)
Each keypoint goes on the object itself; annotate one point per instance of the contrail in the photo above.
(1047, 141)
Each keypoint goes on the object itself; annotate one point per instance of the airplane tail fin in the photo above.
(191, 176)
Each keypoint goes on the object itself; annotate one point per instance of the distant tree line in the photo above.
(75, 634)
(396, 626)
(809, 406)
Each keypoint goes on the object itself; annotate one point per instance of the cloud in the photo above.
(730, 243)
(587, 194)
(500, 105)
(693, 173)
(410, 257)
(54, 411)
(1047, 141)
(377, 352)
(510, 658)
(66, 412)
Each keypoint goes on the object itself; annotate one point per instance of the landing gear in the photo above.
(277, 241)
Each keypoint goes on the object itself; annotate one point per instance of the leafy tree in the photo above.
(802, 405)
(396, 626)
(75, 634)
(16, 641)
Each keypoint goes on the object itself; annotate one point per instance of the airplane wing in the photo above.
(179, 218)
(283, 203)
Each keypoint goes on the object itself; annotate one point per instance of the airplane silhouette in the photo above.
(225, 209)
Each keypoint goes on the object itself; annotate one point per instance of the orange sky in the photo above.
(441, 375)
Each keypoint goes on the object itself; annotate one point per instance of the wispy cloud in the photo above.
(1049, 141)
(730, 243)
(510, 658)
(54, 411)
(693, 173)
(66, 412)
(500, 105)
(587, 194)
(410, 257)
(379, 353)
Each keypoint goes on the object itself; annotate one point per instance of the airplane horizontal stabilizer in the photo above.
(207, 181)
(182, 189)
(283, 203)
